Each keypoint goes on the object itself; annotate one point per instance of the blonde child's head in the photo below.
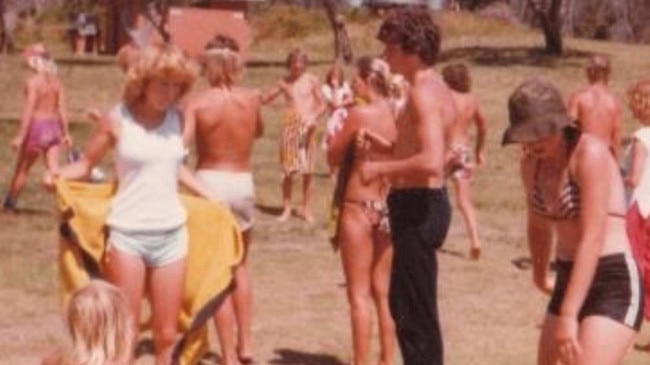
(160, 61)
(638, 98)
(38, 58)
(222, 62)
(100, 325)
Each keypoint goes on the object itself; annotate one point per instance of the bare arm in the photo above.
(481, 129)
(616, 132)
(573, 107)
(269, 95)
(639, 155)
(189, 122)
(63, 115)
(26, 118)
(189, 181)
(340, 142)
(99, 143)
(590, 160)
(318, 96)
(539, 233)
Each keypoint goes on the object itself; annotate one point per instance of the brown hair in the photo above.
(457, 77)
(414, 31)
(296, 54)
(335, 72)
(638, 98)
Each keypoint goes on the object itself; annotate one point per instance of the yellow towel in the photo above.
(215, 247)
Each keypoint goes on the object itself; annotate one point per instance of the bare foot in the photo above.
(475, 253)
(286, 214)
(307, 215)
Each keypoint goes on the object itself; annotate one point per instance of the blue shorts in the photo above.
(156, 248)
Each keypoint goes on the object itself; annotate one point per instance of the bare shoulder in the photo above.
(591, 149)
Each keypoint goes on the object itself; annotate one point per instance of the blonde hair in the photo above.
(221, 61)
(100, 324)
(376, 73)
(638, 98)
(157, 61)
(39, 59)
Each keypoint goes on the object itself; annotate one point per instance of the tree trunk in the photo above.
(549, 14)
(342, 47)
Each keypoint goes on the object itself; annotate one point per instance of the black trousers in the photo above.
(419, 220)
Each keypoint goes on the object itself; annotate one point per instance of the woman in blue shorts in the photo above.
(147, 235)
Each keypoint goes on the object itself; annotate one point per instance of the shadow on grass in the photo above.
(293, 357)
(269, 209)
(512, 56)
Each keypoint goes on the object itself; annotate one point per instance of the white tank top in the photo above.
(147, 163)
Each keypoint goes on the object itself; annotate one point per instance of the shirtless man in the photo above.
(44, 124)
(595, 108)
(419, 209)
(226, 120)
(304, 106)
(469, 114)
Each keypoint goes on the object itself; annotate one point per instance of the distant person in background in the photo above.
(44, 123)
(470, 115)
(576, 202)
(304, 106)
(363, 230)
(337, 94)
(595, 109)
(100, 328)
(638, 180)
(225, 120)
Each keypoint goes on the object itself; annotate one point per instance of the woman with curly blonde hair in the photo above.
(147, 235)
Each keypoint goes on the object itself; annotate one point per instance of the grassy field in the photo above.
(490, 310)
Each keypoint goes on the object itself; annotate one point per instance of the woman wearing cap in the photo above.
(44, 123)
(575, 197)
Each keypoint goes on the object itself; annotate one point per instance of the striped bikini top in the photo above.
(565, 206)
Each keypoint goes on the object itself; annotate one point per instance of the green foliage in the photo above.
(288, 22)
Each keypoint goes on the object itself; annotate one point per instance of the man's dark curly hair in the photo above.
(414, 30)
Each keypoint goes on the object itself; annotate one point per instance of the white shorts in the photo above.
(236, 190)
(156, 248)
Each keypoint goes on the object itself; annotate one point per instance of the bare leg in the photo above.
(225, 324)
(286, 198)
(464, 202)
(127, 272)
(52, 158)
(25, 162)
(356, 254)
(547, 351)
(308, 192)
(242, 299)
(383, 257)
(604, 341)
(166, 284)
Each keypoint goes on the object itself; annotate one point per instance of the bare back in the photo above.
(425, 127)
(598, 112)
(227, 123)
(44, 96)
(467, 108)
